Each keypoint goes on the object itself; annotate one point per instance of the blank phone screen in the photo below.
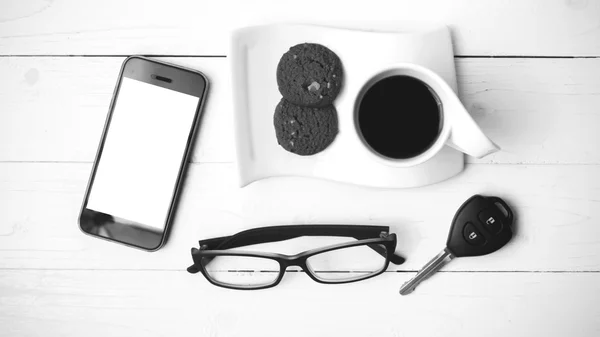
(143, 152)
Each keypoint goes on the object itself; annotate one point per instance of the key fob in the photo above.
(480, 227)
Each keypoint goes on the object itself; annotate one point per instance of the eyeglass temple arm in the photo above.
(281, 233)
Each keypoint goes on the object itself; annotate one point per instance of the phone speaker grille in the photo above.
(161, 78)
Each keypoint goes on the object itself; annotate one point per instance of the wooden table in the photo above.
(528, 71)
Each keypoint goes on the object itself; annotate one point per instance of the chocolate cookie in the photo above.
(309, 75)
(303, 130)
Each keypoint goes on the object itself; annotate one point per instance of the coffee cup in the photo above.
(405, 114)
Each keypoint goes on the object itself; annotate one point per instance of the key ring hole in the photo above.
(502, 209)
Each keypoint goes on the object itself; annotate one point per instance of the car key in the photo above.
(480, 227)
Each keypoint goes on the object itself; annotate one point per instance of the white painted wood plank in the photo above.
(125, 303)
(54, 109)
(539, 111)
(556, 206)
(191, 27)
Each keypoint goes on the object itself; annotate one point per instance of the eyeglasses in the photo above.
(353, 261)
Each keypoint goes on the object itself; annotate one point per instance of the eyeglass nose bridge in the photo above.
(298, 260)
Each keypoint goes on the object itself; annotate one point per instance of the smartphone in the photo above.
(132, 192)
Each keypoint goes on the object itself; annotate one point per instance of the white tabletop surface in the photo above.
(528, 71)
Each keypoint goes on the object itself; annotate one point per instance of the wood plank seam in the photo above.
(225, 56)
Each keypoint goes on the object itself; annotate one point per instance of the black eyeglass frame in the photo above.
(372, 236)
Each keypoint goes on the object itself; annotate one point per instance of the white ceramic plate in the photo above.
(255, 54)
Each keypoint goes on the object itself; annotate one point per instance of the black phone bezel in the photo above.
(165, 75)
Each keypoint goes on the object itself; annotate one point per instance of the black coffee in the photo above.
(399, 117)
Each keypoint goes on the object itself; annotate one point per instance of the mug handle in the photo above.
(465, 134)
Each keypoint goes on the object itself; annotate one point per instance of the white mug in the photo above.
(457, 129)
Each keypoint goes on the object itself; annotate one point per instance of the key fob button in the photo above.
(472, 235)
(491, 221)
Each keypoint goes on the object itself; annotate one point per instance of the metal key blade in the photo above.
(431, 267)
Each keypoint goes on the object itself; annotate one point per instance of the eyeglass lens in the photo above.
(347, 264)
(241, 271)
